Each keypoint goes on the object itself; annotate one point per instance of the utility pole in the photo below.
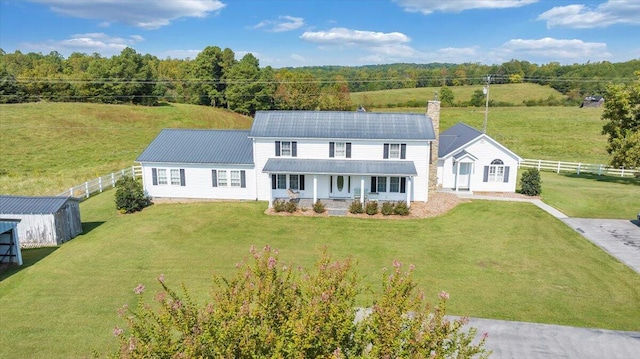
(485, 90)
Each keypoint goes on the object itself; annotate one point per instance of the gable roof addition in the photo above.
(199, 146)
(455, 137)
(342, 124)
(32, 205)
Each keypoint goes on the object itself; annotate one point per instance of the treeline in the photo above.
(216, 78)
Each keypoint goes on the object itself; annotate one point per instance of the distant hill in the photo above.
(49, 147)
(505, 94)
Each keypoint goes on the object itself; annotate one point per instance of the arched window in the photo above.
(496, 171)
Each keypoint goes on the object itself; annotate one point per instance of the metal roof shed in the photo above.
(9, 243)
(44, 221)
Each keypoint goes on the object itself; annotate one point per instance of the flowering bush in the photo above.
(270, 310)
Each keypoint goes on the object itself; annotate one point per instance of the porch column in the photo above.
(270, 192)
(362, 189)
(408, 189)
(457, 174)
(315, 189)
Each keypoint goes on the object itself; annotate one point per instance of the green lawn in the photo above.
(511, 93)
(497, 259)
(592, 196)
(48, 147)
(569, 134)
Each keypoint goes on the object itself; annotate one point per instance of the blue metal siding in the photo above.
(199, 146)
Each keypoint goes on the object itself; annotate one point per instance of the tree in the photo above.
(477, 99)
(271, 310)
(622, 111)
(130, 195)
(530, 183)
(446, 96)
(296, 91)
(245, 89)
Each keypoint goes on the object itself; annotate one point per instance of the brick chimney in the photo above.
(433, 112)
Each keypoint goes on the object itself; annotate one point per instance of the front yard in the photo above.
(497, 260)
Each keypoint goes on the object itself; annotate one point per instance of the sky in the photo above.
(294, 33)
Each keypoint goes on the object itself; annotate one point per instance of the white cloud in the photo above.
(342, 36)
(87, 43)
(147, 14)
(284, 23)
(556, 49)
(391, 46)
(581, 17)
(427, 7)
(457, 54)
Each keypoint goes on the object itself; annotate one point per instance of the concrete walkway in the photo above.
(531, 341)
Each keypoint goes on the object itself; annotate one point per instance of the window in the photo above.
(382, 184)
(394, 184)
(282, 181)
(235, 178)
(497, 172)
(395, 151)
(222, 178)
(159, 176)
(341, 149)
(285, 149)
(162, 176)
(294, 183)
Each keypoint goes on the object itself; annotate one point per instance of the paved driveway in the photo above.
(619, 237)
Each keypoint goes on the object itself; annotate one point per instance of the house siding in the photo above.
(198, 182)
(486, 151)
(416, 151)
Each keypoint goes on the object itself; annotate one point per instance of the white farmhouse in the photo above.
(311, 154)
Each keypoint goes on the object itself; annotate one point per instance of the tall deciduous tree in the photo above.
(622, 111)
(246, 89)
(296, 91)
(446, 96)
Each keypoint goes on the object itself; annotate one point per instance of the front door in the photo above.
(464, 175)
(340, 186)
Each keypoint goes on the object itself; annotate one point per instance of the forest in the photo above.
(217, 78)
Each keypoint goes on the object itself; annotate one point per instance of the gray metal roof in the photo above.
(199, 146)
(463, 153)
(32, 205)
(456, 137)
(343, 167)
(347, 125)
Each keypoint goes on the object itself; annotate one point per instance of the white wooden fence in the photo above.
(100, 184)
(577, 167)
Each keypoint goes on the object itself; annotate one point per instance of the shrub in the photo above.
(318, 207)
(130, 195)
(401, 209)
(278, 205)
(387, 208)
(356, 207)
(530, 183)
(371, 208)
(271, 310)
(291, 206)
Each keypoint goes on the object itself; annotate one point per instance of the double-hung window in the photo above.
(394, 184)
(341, 149)
(162, 176)
(286, 148)
(395, 151)
(175, 177)
(294, 182)
(235, 178)
(282, 181)
(222, 178)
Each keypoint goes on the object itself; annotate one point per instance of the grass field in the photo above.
(49, 147)
(592, 196)
(498, 260)
(510, 93)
